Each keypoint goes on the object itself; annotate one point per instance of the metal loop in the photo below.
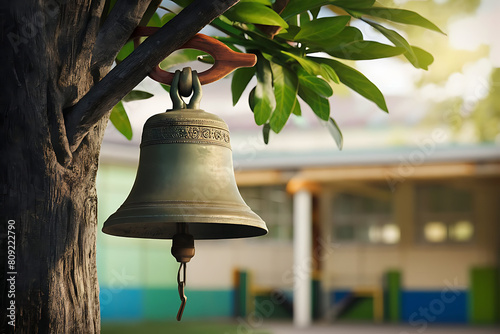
(180, 83)
(177, 101)
(197, 93)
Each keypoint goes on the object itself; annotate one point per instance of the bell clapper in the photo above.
(183, 251)
(181, 283)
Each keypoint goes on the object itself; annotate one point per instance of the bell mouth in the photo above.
(159, 220)
(199, 230)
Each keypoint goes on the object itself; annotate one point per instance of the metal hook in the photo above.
(180, 84)
(195, 100)
(180, 287)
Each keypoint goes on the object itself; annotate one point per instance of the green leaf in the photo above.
(265, 101)
(304, 18)
(308, 65)
(391, 35)
(334, 130)
(295, 7)
(225, 25)
(318, 104)
(285, 91)
(183, 3)
(328, 73)
(206, 59)
(263, 2)
(155, 21)
(265, 42)
(296, 108)
(120, 120)
(424, 58)
(315, 84)
(109, 5)
(363, 50)
(398, 41)
(167, 17)
(150, 11)
(126, 50)
(251, 12)
(323, 28)
(251, 99)
(241, 78)
(315, 12)
(181, 57)
(290, 33)
(400, 16)
(135, 95)
(265, 132)
(262, 111)
(166, 87)
(353, 3)
(418, 57)
(357, 82)
(348, 35)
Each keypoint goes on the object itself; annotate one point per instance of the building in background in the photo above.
(403, 224)
(398, 232)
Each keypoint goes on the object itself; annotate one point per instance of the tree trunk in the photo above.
(51, 209)
(52, 52)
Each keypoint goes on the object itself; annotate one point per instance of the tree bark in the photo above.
(51, 56)
(45, 67)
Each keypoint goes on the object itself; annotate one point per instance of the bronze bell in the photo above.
(185, 187)
(185, 176)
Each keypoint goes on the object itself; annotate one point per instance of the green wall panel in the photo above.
(209, 303)
(484, 295)
(161, 303)
(164, 303)
(361, 309)
(392, 296)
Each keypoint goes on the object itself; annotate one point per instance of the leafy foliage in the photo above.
(119, 116)
(300, 46)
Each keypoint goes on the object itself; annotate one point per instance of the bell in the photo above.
(185, 181)
(185, 187)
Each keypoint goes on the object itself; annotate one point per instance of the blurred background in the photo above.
(405, 220)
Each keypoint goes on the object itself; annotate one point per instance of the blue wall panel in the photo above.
(121, 304)
(421, 308)
(148, 304)
(426, 307)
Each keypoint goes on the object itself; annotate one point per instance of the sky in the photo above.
(467, 33)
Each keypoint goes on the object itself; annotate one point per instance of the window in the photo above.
(364, 219)
(444, 214)
(274, 206)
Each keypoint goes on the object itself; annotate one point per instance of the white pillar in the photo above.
(302, 257)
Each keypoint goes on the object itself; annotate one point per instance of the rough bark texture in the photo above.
(45, 67)
(52, 53)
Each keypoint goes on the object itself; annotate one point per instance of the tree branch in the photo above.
(116, 30)
(131, 71)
